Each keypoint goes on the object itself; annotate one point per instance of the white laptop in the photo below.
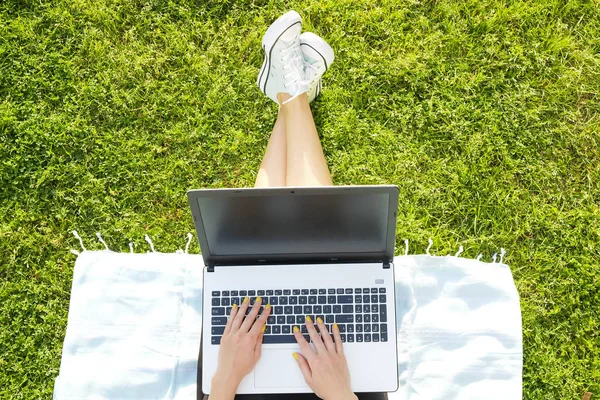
(325, 252)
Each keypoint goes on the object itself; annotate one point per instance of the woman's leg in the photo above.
(306, 165)
(273, 166)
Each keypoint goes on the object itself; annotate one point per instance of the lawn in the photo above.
(484, 113)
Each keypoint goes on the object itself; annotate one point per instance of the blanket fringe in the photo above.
(187, 245)
(150, 243)
(102, 240)
(496, 257)
(460, 250)
(429, 247)
(74, 232)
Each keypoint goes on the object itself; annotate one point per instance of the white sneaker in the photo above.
(283, 68)
(318, 57)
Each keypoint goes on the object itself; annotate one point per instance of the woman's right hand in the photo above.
(325, 368)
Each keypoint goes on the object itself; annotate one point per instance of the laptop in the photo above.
(322, 251)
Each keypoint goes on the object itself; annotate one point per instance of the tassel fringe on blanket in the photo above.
(190, 236)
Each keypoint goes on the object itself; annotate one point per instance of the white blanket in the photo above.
(134, 328)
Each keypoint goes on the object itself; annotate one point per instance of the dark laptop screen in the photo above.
(295, 224)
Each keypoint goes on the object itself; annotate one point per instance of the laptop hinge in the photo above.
(211, 267)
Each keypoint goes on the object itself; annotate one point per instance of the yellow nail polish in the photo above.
(295, 355)
(296, 329)
(319, 320)
(264, 328)
(308, 319)
(336, 327)
(234, 306)
(258, 299)
(246, 299)
(268, 306)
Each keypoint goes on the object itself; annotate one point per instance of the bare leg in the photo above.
(306, 165)
(273, 166)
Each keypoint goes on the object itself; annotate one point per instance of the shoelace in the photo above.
(292, 60)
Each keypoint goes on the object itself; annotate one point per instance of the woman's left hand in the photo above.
(240, 347)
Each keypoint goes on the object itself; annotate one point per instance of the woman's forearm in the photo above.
(223, 388)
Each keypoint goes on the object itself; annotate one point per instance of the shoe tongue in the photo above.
(287, 41)
(289, 36)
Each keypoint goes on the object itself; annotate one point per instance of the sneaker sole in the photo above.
(275, 31)
(319, 45)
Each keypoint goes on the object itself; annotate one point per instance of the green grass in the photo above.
(484, 113)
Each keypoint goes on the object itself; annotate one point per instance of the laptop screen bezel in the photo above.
(265, 259)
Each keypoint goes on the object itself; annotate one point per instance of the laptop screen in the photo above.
(262, 225)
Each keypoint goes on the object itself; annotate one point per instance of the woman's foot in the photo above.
(318, 57)
(283, 68)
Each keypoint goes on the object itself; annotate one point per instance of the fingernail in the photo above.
(268, 306)
(296, 330)
(264, 328)
(336, 327)
(246, 299)
(234, 306)
(308, 319)
(319, 320)
(295, 355)
(258, 299)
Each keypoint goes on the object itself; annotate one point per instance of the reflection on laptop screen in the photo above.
(295, 224)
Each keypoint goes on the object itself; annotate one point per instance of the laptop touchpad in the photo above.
(278, 369)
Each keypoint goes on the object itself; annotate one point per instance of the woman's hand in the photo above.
(325, 368)
(240, 348)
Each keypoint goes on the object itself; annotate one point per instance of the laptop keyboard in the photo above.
(360, 313)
